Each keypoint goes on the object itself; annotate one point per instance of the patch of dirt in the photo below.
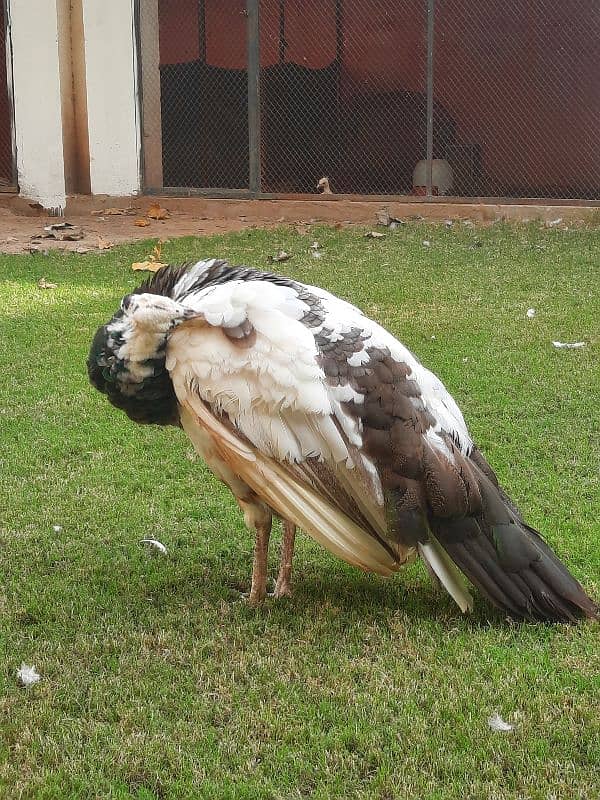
(102, 222)
(95, 231)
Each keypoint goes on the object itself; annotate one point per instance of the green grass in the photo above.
(159, 682)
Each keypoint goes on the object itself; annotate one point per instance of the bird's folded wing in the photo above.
(291, 494)
(248, 359)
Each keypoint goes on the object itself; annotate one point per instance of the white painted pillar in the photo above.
(37, 101)
(111, 80)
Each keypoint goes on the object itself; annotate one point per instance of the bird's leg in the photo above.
(283, 587)
(258, 590)
(258, 516)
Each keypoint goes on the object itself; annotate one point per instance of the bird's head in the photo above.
(151, 314)
(127, 358)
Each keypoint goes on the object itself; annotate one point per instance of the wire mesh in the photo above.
(7, 179)
(521, 80)
(344, 88)
(203, 93)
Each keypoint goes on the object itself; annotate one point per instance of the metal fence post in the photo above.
(12, 184)
(202, 30)
(253, 32)
(430, 46)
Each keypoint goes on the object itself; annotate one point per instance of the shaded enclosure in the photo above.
(505, 96)
(6, 151)
(205, 142)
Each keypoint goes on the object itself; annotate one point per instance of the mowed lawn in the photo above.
(158, 681)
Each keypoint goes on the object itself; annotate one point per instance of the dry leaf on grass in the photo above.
(44, 284)
(104, 244)
(156, 211)
(374, 235)
(142, 223)
(151, 263)
(149, 266)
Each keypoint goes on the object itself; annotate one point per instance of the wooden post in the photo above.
(150, 83)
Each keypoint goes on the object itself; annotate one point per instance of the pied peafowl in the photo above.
(307, 409)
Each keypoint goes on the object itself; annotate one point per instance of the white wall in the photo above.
(111, 78)
(37, 100)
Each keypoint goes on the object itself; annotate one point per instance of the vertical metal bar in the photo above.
(202, 31)
(139, 86)
(282, 41)
(430, 46)
(253, 39)
(339, 31)
(9, 86)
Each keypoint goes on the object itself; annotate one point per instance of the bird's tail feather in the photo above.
(445, 570)
(510, 563)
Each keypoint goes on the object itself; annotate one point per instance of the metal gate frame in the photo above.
(254, 190)
(12, 187)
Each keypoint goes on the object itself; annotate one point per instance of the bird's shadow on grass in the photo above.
(335, 588)
(373, 599)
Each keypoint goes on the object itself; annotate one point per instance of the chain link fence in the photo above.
(421, 97)
(7, 178)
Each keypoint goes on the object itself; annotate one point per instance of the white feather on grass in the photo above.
(496, 723)
(27, 675)
(154, 544)
(568, 345)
